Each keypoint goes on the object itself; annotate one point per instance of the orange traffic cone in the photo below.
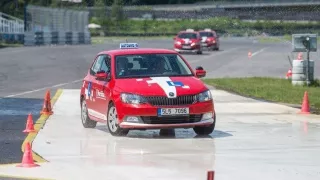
(210, 175)
(27, 159)
(249, 54)
(289, 74)
(305, 108)
(29, 125)
(46, 109)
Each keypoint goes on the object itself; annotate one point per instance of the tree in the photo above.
(117, 10)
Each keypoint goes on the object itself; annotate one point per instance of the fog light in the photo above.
(132, 119)
(206, 116)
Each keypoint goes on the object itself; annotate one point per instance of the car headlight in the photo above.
(132, 98)
(195, 43)
(178, 42)
(205, 96)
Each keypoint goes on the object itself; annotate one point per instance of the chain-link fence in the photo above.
(56, 26)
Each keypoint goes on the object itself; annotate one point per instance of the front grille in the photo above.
(164, 101)
(172, 119)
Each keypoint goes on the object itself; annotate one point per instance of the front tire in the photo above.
(112, 122)
(205, 130)
(86, 121)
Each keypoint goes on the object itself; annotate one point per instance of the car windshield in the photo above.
(150, 65)
(206, 34)
(188, 36)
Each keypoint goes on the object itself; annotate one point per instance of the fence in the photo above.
(56, 26)
(11, 28)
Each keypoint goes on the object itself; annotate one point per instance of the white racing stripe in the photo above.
(186, 40)
(163, 83)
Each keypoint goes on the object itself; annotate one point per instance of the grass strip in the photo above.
(270, 89)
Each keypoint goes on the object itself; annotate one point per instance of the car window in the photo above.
(207, 34)
(106, 64)
(151, 65)
(97, 64)
(187, 35)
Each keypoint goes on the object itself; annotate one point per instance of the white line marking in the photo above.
(260, 51)
(41, 89)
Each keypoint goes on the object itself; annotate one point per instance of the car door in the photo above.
(103, 87)
(91, 89)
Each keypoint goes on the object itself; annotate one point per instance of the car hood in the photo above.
(161, 86)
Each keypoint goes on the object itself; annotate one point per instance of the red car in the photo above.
(188, 41)
(131, 88)
(210, 39)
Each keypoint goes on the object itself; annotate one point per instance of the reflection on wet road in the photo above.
(13, 116)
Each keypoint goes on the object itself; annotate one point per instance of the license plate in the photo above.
(186, 47)
(172, 111)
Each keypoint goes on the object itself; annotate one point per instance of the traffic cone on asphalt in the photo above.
(305, 108)
(210, 175)
(249, 54)
(29, 125)
(27, 159)
(46, 109)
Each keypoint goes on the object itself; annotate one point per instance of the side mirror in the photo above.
(200, 72)
(174, 38)
(102, 76)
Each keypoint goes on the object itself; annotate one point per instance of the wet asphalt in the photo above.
(27, 72)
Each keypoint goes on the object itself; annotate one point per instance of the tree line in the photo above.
(15, 7)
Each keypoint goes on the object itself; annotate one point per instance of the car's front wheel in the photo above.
(86, 121)
(112, 122)
(205, 130)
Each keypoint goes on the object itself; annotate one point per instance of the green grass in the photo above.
(101, 40)
(270, 89)
(4, 45)
(289, 38)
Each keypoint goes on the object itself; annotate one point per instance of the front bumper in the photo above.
(186, 50)
(146, 116)
(130, 125)
(207, 45)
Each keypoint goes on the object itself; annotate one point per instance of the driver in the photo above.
(122, 66)
(160, 65)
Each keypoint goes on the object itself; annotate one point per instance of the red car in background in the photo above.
(209, 39)
(138, 89)
(188, 41)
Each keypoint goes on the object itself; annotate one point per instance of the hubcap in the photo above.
(113, 119)
(84, 112)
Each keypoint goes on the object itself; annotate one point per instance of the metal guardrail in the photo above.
(11, 28)
(40, 38)
(10, 24)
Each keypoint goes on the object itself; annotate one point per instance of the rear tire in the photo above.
(112, 122)
(86, 121)
(205, 130)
